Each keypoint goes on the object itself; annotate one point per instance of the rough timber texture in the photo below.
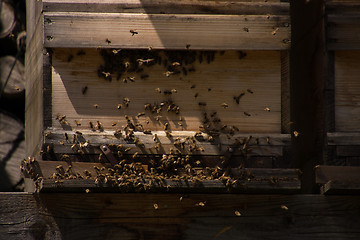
(347, 91)
(170, 31)
(108, 216)
(226, 77)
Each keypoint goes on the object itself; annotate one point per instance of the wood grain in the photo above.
(170, 6)
(167, 31)
(343, 138)
(337, 173)
(108, 216)
(226, 77)
(34, 91)
(347, 91)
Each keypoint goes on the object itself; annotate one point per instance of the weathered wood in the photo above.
(343, 138)
(16, 83)
(342, 174)
(33, 12)
(133, 216)
(170, 31)
(12, 151)
(226, 77)
(261, 180)
(34, 70)
(343, 31)
(170, 6)
(285, 92)
(347, 91)
(348, 151)
(340, 188)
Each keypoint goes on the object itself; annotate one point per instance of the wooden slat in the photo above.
(132, 216)
(340, 188)
(342, 174)
(285, 92)
(34, 61)
(227, 76)
(343, 138)
(169, 6)
(261, 181)
(343, 31)
(347, 90)
(348, 151)
(170, 31)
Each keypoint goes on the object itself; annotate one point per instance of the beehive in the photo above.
(343, 84)
(202, 80)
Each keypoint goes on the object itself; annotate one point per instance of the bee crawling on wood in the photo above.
(96, 106)
(107, 41)
(237, 98)
(267, 109)
(84, 90)
(224, 105)
(247, 114)
(133, 32)
(141, 114)
(126, 101)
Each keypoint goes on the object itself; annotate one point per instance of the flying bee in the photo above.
(284, 207)
(96, 105)
(173, 90)
(237, 213)
(201, 204)
(267, 109)
(158, 90)
(247, 114)
(246, 29)
(106, 74)
(296, 133)
(133, 32)
(141, 114)
(168, 73)
(275, 31)
(156, 206)
(175, 64)
(116, 51)
(135, 155)
(224, 105)
(107, 41)
(119, 106)
(196, 95)
(127, 65)
(131, 79)
(250, 91)
(237, 98)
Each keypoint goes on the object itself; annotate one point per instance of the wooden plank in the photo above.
(347, 91)
(258, 145)
(343, 32)
(34, 60)
(342, 174)
(107, 216)
(213, 84)
(343, 138)
(340, 188)
(170, 31)
(170, 6)
(348, 151)
(33, 12)
(285, 92)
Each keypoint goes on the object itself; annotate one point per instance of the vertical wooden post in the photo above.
(307, 73)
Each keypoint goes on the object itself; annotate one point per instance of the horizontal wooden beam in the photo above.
(256, 144)
(344, 174)
(340, 188)
(165, 216)
(169, 6)
(166, 31)
(343, 31)
(343, 138)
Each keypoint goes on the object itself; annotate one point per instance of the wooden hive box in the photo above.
(342, 99)
(147, 81)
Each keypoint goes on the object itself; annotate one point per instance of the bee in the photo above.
(127, 149)
(173, 90)
(175, 64)
(47, 134)
(113, 124)
(107, 41)
(157, 147)
(133, 32)
(166, 126)
(241, 54)
(99, 125)
(224, 105)
(202, 104)
(193, 86)
(126, 101)
(147, 132)
(61, 143)
(168, 134)
(196, 95)
(188, 46)
(157, 118)
(247, 114)
(237, 213)
(78, 132)
(140, 114)
(284, 207)
(96, 105)
(268, 140)
(78, 123)
(237, 98)
(87, 190)
(168, 73)
(135, 155)
(155, 137)
(119, 106)
(116, 51)
(296, 133)
(150, 48)
(131, 79)
(84, 90)
(158, 90)
(246, 29)
(91, 125)
(274, 32)
(209, 89)
(106, 74)
(59, 181)
(127, 65)
(250, 91)
(267, 109)
(201, 204)
(156, 206)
